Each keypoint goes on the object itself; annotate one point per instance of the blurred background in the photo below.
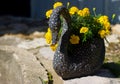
(36, 8)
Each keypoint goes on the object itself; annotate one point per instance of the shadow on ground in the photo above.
(113, 67)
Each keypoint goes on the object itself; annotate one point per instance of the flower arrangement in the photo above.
(84, 25)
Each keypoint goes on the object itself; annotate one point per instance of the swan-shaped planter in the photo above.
(80, 60)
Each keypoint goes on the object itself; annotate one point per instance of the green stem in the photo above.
(94, 11)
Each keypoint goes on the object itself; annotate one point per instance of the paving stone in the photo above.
(21, 63)
(47, 53)
(92, 80)
(32, 44)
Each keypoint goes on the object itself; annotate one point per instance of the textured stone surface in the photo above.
(10, 71)
(46, 60)
(10, 40)
(47, 53)
(32, 44)
(31, 70)
(116, 29)
(113, 38)
(92, 80)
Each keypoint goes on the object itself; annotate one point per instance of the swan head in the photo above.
(55, 22)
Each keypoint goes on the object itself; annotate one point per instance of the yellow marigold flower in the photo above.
(86, 9)
(80, 13)
(54, 47)
(107, 32)
(103, 19)
(74, 39)
(48, 36)
(48, 13)
(102, 33)
(73, 10)
(84, 30)
(57, 4)
(106, 25)
(86, 12)
(49, 30)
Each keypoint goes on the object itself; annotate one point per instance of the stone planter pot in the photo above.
(81, 60)
(76, 60)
